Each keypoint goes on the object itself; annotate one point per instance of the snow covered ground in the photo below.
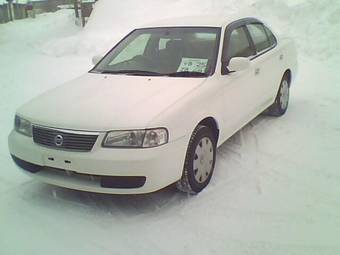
(276, 185)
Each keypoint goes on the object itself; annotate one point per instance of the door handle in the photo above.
(281, 57)
(257, 71)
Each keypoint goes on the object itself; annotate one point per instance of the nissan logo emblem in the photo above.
(58, 140)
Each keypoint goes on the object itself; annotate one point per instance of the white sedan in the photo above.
(152, 112)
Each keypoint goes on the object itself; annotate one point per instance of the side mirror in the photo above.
(238, 64)
(96, 59)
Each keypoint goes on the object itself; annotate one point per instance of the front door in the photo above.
(241, 94)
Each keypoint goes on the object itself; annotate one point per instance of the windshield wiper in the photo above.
(150, 73)
(187, 74)
(132, 72)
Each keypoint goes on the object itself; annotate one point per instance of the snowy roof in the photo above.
(21, 1)
(198, 20)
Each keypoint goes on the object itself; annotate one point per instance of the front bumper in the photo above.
(102, 170)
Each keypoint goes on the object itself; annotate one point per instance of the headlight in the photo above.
(23, 126)
(136, 138)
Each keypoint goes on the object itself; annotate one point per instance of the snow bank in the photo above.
(110, 16)
(315, 24)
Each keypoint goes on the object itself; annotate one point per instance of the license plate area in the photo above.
(58, 162)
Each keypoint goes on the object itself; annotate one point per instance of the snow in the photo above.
(21, 1)
(275, 188)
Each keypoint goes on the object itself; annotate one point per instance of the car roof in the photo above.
(196, 21)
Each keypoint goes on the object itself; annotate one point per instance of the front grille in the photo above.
(64, 140)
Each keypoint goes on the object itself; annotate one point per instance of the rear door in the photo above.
(267, 64)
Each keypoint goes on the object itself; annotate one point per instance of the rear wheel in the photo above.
(280, 106)
(199, 162)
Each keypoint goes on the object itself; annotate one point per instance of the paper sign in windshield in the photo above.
(193, 65)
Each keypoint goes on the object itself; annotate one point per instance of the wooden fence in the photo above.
(4, 14)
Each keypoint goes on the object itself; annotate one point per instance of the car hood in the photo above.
(97, 102)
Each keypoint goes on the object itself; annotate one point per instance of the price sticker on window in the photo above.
(193, 65)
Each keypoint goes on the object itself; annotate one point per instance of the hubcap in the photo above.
(284, 95)
(203, 160)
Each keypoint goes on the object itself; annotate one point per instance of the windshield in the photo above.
(177, 52)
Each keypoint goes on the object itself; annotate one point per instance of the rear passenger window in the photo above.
(259, 36)
(271, 36)
(239, 45)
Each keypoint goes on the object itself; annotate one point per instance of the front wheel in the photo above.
(199, 162)
(280, 106)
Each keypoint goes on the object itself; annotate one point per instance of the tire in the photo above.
(280, 106)
(199, 162)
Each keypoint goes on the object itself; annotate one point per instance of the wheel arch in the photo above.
(211, 123)
(288, 74)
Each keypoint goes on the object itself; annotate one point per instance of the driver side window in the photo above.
(239, 45)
